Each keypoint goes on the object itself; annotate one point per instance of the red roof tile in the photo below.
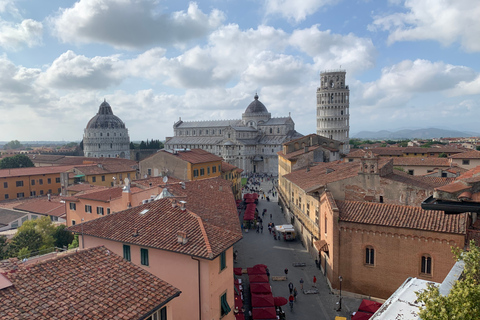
(418, 161)
(399, 216)
(474, 154)
(226, 167)
(195, 156)
(83, 187)
(294, 154)
(19, 172)
(43, 206)
(88, 284)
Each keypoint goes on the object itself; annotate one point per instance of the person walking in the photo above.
(286, 272)
(291, 298)
(301, 283)
(290, 287)
(270, 217)
(261, 228)
(314, 281)
(295, 293)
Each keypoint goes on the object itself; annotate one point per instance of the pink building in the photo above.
(186, 239)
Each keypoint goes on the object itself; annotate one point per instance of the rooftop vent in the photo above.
(135, 232)
(144, 211)
(182, 237)
(182, 205)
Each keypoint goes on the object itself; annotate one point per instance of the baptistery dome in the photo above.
(256, 106)
(255, 114)
(106, 135)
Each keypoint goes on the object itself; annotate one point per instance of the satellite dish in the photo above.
(165, 179)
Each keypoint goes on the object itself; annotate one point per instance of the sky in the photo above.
(409, 64)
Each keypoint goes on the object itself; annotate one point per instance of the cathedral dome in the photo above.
(256, 107)
(105, 119)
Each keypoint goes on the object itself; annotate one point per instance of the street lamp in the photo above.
(340, 301)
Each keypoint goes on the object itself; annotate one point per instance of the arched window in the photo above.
(426, 264)
(271, 130)
(369, 256)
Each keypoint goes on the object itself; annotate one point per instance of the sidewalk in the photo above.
(257, 248)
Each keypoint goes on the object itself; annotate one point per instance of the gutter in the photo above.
(450, 207)
(199, 291)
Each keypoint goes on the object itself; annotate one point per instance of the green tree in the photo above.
(463, 300)
(478, 148)
(74, 243)
(30, 239)
(14, 144)
(4, 247)
(143, 145)
(17, 161)
(62, 236)
(44, 227)
(442, 155)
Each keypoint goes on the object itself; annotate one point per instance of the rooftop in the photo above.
(195, 156)
(88, 284)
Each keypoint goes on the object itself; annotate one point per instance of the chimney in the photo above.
(220, 188)
(135, 232)
(174, 203)
(49, 197)
(182, 205)
(182, 237)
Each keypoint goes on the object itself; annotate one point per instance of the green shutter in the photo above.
(224, 304)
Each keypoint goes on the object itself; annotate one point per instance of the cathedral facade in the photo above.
(250, 143)
(106, 135)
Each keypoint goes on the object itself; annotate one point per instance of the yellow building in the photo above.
(186, 165)
(233, 174)
(107, 174)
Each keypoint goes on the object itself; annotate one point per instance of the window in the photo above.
(73, 222)
(202, 172)
(19, 183)
(144, 257)
(49, 180)
(223, 260)
(20, 195)
(40, 181)
(195, 173)
(214, 169)
(126, 253)
(103, 178)
(325, 225)
(94, 179)
(219, 169)
(88, 208)
(159, 315)
(465, 162)
(225, 308)
(444, 174)
(57, 180)
(59, 190)
(6, 195)
(381, 199)
(208, 170)
(149, 172)
(410, 172)
(100, 210)
(14, 224)
(426, 264)
(73, 206)
(5, 185)
(33, 193)
(108, 210)
(369, 256)
(33, 182)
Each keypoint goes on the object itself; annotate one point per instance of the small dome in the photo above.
(256, 106)
(105, 118)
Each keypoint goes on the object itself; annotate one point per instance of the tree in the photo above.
(442, 155)
(30, 239)
(74, 243)
(463, 300)
(143, 145)
(14, 144)
(3, 248)
(17, 161)
(62, 236)
(478, 148)
(43, 227)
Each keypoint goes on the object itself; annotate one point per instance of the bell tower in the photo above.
(333, 115)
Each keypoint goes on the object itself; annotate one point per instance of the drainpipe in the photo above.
(199, 291)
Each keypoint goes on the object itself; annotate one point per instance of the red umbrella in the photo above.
(280, 301)
(260, 288)
(360, 315)
(258, 278)
(237, 271)
(264, 313)
(369, 306)
(262, 300)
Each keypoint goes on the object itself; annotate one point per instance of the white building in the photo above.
(106, 136)
(333, 116)
(251, 143)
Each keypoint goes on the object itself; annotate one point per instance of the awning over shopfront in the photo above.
(321, 245)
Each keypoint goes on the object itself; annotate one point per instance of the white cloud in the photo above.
(330, 51)
(293, 9)
(466, 87)
(72, 71)
(16, 83)
(14, 36)
(446, 21)
(131, 23)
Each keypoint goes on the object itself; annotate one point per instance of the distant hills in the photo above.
(429, 133)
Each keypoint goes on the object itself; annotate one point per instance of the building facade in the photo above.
(333, 115)
(106, 135)
(250, 143)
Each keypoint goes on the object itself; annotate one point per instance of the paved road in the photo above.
(257, 248)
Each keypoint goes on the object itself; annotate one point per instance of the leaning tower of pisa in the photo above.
(333, 114)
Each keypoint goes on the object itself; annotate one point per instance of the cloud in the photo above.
(330, 51)
(72, 71)
(14, 36)
(466, 87)
(131, 24)
(16, 83)
(445, 21)
(295, 10)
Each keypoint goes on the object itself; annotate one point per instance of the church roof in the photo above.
(277, 121)
(105, 118)
(256, 106)
(195, 140)
(208, 124)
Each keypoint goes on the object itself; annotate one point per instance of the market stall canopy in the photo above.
(360, 315)
(237, 271)
(280, 301)
(262, 300)
(264, 313)
(258, 278)
(256, 270)
(369, 306)
(260, 288)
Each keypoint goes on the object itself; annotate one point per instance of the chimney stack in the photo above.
(135, 232)
(182, 237)
(182, 205)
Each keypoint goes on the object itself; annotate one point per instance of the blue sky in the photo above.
(410, 64)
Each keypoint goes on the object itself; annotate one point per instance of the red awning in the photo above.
(369, 306)
(257, 270)
(360, 315)
(254, 278)
(238, 303)
(262, 300)
(239, 316)
(260, 288)
(280, 301)
(264, 313)
(237, 271)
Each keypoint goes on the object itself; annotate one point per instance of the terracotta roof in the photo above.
(474, 154)
(105, 168)
(195, 156)
(154, 181)
(418, 161)
(19, 172)
(301, 151)
(16, 202)
(88, 284)
(43, 206)
(358, 153)
(399, 216)
(83, 187)
(425, 182)
(211, 225)
(226, 167)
